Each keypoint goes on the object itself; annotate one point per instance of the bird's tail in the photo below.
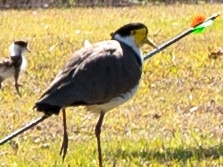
(47, 108)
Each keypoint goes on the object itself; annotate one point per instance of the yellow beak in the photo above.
(150, 42)
(28, 50)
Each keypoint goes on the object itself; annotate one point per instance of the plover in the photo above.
(15, 64)
(100, 76)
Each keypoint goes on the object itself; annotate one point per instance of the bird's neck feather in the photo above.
(18, 51)
(129, 40)
(15, 50)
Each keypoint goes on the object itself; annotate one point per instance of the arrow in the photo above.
(198, 25)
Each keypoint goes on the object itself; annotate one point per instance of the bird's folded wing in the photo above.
(94, 75)
(6, 68)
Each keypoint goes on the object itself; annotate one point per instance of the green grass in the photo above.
(175, 119)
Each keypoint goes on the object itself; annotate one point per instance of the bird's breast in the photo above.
(23, 64)
(116, 101)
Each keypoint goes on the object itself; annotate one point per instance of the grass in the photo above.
(175, 118)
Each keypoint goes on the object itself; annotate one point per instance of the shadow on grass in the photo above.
(174, 154)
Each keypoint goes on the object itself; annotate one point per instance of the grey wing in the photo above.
(6, 68)
(94, 75)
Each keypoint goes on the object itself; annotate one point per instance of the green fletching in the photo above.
(198, 30)
(201, 27)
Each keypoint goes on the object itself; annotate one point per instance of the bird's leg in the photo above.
(64, 147)
(1, 83)
(16, 76)
(97, 133)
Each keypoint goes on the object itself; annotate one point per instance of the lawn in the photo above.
(175, 118)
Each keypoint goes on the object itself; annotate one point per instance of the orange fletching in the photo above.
(197, 20)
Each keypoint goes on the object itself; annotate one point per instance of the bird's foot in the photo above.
(17, 90)
(17, 85)
(64, 147)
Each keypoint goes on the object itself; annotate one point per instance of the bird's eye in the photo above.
(133, 32)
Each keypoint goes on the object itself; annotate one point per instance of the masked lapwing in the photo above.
(15, 64)
(99, 76)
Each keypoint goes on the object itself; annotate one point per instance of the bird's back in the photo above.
(9, 66)
(94, 75)
(6, 69)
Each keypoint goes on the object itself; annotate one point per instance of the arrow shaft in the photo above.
(168, 43)
(23, 129)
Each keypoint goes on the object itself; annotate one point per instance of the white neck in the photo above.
(129, 40)
(16, 50)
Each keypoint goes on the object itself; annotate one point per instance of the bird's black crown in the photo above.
(126, 29)
(21, 43)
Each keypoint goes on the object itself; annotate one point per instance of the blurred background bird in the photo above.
(99, 76)
(15, 64)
